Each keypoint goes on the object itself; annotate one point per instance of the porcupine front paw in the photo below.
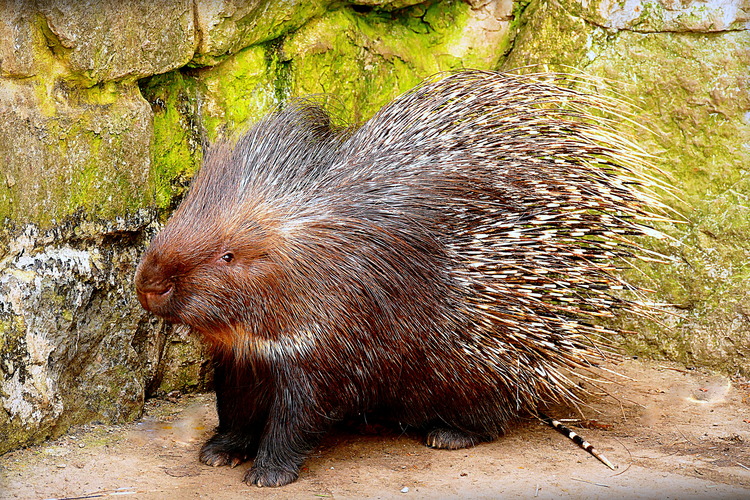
(270, 476)
(222, 449)
(453, 439)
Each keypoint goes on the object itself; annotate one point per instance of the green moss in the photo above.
(7, 196)
(200, 105)
(238, 91)
(183, 373)
(175, 148)
(264, 22)
(67, 315)
(692, 94)
(4, 327)
(361, 60)
(12, 328)
(73, 149)
(367, 59)
(547, 38)
(85, 182)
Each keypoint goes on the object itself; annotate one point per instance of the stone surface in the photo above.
(66, 149)
(696, 94)
(17, 39)
(228, 26)
(654, 16)
(75, 346)
(176, 149)
(75, 143)
(367, 59)
(238, 91)
(387, 5)
(116, 39)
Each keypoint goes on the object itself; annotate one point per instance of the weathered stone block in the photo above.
(64, 149)
(115, 39)
(662, 16)
(18, 38)
(228, 26)
(75, 345)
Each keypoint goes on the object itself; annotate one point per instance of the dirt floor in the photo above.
(674, 433)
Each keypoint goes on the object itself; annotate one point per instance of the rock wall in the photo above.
(104, 108)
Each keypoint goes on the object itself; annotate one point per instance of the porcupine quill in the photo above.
(576, 438)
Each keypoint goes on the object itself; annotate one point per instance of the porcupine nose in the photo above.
(154, 296)
(151, 286)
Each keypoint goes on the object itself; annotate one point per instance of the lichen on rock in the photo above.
(113, 40)
(67, 148)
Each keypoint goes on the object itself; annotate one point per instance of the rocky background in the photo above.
(105, 106)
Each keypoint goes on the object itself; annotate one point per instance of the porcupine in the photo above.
(438, 265)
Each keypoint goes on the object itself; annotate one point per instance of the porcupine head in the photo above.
(334, 273)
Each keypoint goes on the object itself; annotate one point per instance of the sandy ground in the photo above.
(673, 433)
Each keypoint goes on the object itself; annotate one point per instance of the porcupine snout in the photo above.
(153, 286)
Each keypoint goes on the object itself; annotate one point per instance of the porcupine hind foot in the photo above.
(453, 439)
(226, 449)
